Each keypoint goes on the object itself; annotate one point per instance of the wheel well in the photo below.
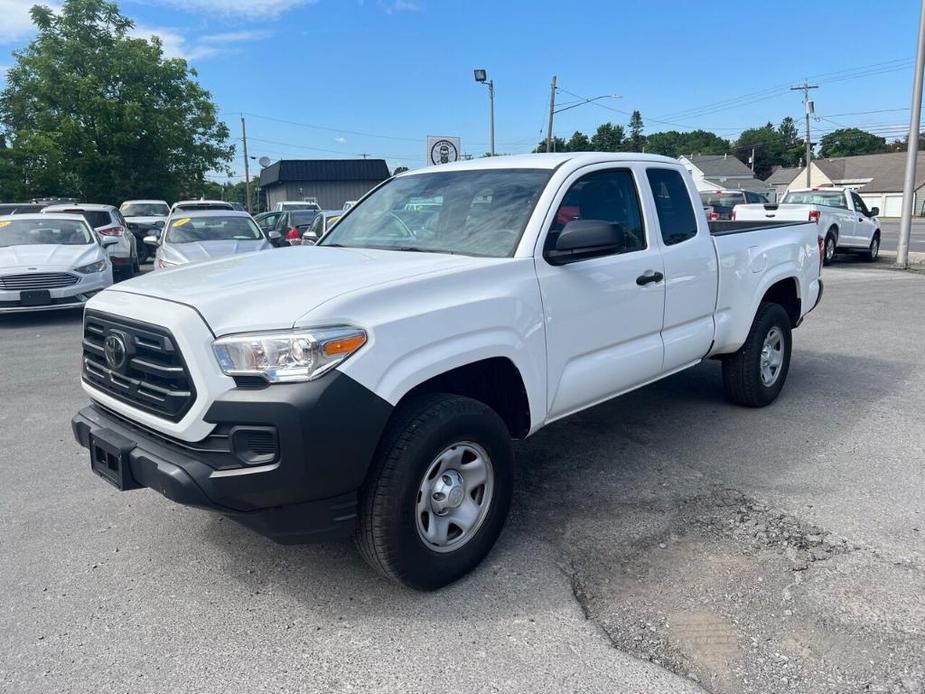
(833, 230)
(495, 382)
(785, 294)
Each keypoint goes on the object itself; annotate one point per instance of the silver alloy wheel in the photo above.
(454, 496)
(772, 356)
(875, 248)
(829, 248)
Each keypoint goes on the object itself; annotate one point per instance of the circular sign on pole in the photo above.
(442, 150)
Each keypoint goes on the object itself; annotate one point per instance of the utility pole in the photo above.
(809, 108)
(247, 173)
(752, 160)
(912, 149)
(552, 111)
(491, 99)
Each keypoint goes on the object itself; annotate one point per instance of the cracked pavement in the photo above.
(663, 542)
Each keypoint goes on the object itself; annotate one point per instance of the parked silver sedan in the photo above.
(194, 237)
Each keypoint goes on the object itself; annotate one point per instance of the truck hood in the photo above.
(273, 289)
(200, 251)
(49, 256)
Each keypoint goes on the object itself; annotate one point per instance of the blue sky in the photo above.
(378, 76)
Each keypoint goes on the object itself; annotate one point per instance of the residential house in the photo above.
(878, 178)
(781, 177)
(722, 172)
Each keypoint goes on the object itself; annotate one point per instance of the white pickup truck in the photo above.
(378, 391)
(843, 219)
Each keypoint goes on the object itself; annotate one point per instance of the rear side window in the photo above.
(97, 218)
(673, 204)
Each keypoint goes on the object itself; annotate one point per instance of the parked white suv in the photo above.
(50, 261)
(372, 384)
(107, 221)
(843, 219)
(144, 217)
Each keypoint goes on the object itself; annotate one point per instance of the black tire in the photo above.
(742, 379)
(387, 534)
(828, 252)
(872, 254)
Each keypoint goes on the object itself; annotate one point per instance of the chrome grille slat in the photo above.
(153, 377)
(38, 280)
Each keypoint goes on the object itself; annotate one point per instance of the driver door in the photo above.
(603, 314)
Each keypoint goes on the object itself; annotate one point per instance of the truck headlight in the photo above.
(287, 357)
(98, 266)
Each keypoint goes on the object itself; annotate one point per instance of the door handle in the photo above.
(648, 277)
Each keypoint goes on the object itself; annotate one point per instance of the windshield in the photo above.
(144, 209)
(203, 206)
(213, 228)
(35, 232)
(722, 199)
(815, 197)
(302, 218)
(470, 212)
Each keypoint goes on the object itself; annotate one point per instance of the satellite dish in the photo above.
(264, 161)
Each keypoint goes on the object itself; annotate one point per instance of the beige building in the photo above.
(878, 179)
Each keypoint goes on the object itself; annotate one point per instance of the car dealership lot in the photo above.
(754, 550)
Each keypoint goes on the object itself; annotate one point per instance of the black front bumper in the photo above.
(326, 436)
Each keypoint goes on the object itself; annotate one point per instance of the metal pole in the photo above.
(805, 87)
(912, 149)
(552, 111)
(247, 173)
(491, 98)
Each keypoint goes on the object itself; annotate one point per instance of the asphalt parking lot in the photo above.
(662, 542)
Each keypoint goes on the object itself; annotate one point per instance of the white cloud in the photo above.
(253, 9)
(15, 22)
(340, 140)
(394, 6)
(177, 45)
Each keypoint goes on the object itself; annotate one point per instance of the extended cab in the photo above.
(843, 219)
(380, 389)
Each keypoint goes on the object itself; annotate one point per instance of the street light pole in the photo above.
(481, 76)
(912, 149)
(247, 175)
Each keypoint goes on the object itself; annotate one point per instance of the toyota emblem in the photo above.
(114, 348)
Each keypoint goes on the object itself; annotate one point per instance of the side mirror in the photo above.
(586, 238)
(274, 236)
(874, 211)
(108, 241)
(152, 241)
(308, 241)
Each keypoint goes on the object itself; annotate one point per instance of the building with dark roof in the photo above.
(330, 182)
(722, 172)
(878, 178)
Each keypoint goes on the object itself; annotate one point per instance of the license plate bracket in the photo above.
(35, 297)
(109, 458)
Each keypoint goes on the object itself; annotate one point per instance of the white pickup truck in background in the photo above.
(843, 219)
(451, 310)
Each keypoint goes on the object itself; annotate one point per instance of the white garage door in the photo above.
(892, 205)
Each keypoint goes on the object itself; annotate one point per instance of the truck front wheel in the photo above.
(755, 375)
(439, 491)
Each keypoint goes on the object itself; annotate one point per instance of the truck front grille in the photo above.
(142, 365)
(38, 280)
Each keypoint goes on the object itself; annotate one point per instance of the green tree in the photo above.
(608, 138)
(767, 144)
(672, 143)
(636, 140)
(399, 169)
(578, 142)
(848, 142)
(793, 147)
(558, 145)
(92, 113)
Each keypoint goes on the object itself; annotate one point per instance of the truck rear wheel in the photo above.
(828, 253)
(439, 491)
(755, 375)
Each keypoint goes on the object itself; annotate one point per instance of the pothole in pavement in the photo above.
(744, 598)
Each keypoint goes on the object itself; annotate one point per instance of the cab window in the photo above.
(608, 196)
(673, 205)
